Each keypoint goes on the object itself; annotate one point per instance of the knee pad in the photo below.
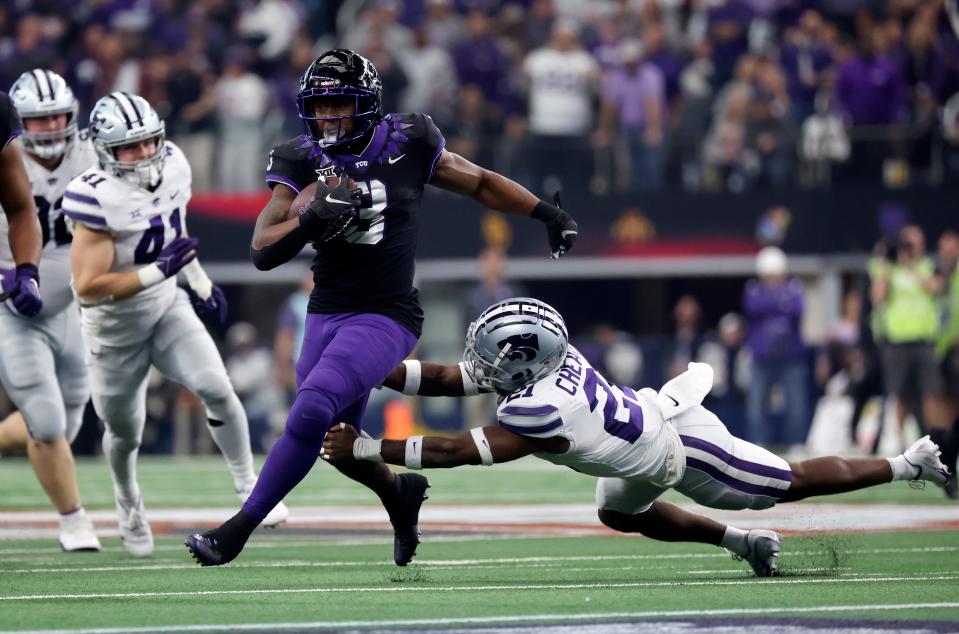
(44, 416)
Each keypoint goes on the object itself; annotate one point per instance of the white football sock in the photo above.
(233, 438)
(735, 540)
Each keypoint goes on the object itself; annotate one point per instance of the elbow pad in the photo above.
(284, 250)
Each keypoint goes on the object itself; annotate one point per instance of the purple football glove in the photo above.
(213, 306)
(176, 255)
(25, 295)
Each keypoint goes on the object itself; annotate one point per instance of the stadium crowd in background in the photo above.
(724, 95)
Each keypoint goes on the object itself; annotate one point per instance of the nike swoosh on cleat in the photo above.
(394, 159)
(330, 199)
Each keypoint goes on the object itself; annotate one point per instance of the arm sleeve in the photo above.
(530, 417)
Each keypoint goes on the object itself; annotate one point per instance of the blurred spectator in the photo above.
(871, 87)
(380, 20)
(269, 26)
(657, 52)
(727, 355)
(807, 62)
(471, 132)
(728, 161)
(30, 49)
(773, 305)
(633, 112)
(432, 80)
(823, 142)
(250, 367)
(444, 27)
(768, 129)
(614, 353)
(480, 60)
(905, 286)
(191, 122)
(562, 81)
(687, 338)
(391, 74)
(539, 23)
(242, 99)
(728, 30)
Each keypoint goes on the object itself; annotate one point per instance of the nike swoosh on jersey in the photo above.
(675, 402)
(394, 159)
(569, 233)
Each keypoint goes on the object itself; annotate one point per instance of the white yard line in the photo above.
(475, 588)
(492, 620)
(439, 564)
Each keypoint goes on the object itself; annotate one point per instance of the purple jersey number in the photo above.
(631, 430)
(152, 241)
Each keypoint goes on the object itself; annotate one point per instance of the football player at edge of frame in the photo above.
(364, 315)
(41, 360)
(639, 444)
(128, 214)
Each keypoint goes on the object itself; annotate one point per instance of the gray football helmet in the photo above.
(514, 343)
(120, 119)
(41, 93)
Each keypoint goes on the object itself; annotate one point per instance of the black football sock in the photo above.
(231, 536)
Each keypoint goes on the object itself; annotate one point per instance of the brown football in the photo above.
(306, 195)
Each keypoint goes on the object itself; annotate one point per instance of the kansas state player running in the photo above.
(639, 444)
(364, 316)
(41, 361)
(130, 240)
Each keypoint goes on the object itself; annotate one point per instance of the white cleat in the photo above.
(274, 518)
(135, 530)
(76, 533)
(763, 552)
(924, 456)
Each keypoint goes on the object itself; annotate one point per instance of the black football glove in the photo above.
(331, 210)
(561, 229)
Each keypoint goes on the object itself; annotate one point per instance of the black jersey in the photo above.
(9, 120)
(369, 268)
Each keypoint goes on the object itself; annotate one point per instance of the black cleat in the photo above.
(222, 544)
(404, 513)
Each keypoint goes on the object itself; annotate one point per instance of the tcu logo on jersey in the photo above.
(522, 347)
(362, 164)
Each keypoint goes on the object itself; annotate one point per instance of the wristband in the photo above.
(28, 269)
(470, 388)
(198, 280)
(150, 275)
(545, 212)
(414, 374)
(414, 452)
(482, 445)
(365, 448)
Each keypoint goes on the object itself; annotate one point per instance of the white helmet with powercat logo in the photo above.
(122, 119)
(42, 93)
(514, 343)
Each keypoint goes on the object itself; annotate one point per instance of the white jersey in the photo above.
(613, 431)
(141, 223)
(48, 188)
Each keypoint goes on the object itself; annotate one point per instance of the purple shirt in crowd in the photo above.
(484, 64)
(872, 91)
(774, 314)
(630, 91)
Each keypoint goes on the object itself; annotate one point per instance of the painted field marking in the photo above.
(490, 620)
(482, 588)
(439, 564)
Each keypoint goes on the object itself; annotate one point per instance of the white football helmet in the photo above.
(120, 119)
(41, 93)
(514, 343)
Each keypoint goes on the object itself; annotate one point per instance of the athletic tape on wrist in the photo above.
(470, 388)
(482, 445)
(414, 374)
(367, 449)
(414, 452)
(150, 275)
(198, 280)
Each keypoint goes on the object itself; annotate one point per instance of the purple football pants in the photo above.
(344, 356)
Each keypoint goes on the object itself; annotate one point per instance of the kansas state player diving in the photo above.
(42, 361)
(639, 444)
(364, 316)
(130, 240)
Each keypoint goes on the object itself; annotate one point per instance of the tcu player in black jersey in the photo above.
(364, 316)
